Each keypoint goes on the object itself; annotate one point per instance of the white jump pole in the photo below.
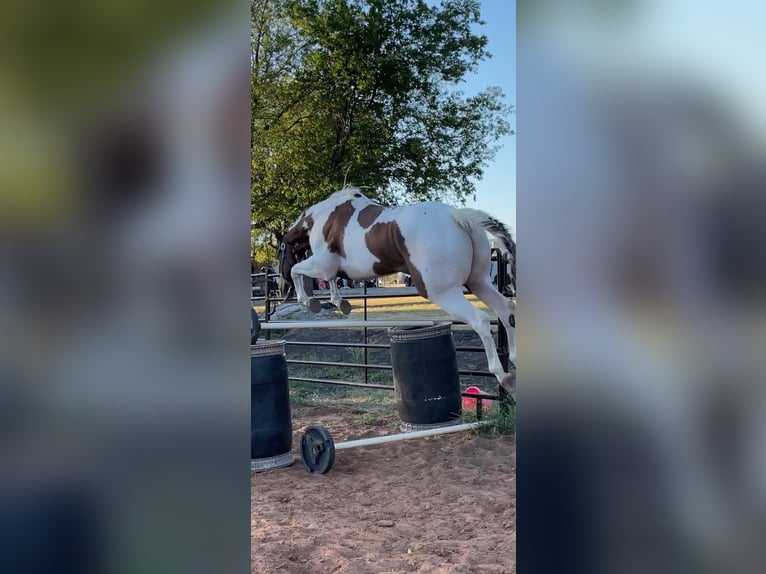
(318, 448)
(408, 435)
(341, 324)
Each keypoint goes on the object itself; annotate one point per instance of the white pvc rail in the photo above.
(408, 435)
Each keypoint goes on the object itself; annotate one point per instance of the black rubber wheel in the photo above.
(317, 449)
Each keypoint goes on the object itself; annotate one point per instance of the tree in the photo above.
(367, 92)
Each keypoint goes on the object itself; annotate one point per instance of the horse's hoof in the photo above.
(508, 382)
(345, 307)
(314, 305)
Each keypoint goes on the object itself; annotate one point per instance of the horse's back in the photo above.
(423, 216)
(438, 246)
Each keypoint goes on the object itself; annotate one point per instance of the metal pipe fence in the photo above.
(272, 298)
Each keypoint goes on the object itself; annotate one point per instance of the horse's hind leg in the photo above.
(503, 308)
(454, 303)
(337, 300)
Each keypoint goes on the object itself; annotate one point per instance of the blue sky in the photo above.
(496, 192)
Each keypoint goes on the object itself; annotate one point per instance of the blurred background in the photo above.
(641, 443)
(124, 177)
(124, 170)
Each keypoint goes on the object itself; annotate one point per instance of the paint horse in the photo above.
(442, 248)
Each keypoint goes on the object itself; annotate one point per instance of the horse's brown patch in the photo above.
(386, 242)
(302, 227)
(303, 245)
(369, 214)
(335, 227)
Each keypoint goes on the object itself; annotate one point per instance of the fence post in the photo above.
(366, 350)
(267, 301)
(502, 337)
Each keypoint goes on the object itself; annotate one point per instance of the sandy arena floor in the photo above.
(444, 504)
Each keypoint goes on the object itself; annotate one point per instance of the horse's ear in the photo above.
(279, 236)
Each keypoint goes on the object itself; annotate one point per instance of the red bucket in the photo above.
(469, 403)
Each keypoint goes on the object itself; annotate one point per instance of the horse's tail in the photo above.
(469, 219)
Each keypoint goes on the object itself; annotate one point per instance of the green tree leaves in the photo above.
(366, 92)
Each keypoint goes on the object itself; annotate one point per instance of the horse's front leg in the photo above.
(310, 267)
(337, 300)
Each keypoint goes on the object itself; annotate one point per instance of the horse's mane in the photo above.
(347, 190)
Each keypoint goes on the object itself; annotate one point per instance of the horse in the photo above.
(441, 247)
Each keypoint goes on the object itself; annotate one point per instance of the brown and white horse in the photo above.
(441, 247)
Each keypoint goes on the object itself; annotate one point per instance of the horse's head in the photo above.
(294, 245)
(287, 258)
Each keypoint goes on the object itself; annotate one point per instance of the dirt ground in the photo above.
(444, 504)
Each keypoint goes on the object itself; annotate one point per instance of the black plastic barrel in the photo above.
(425, 376)
(271, 429)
